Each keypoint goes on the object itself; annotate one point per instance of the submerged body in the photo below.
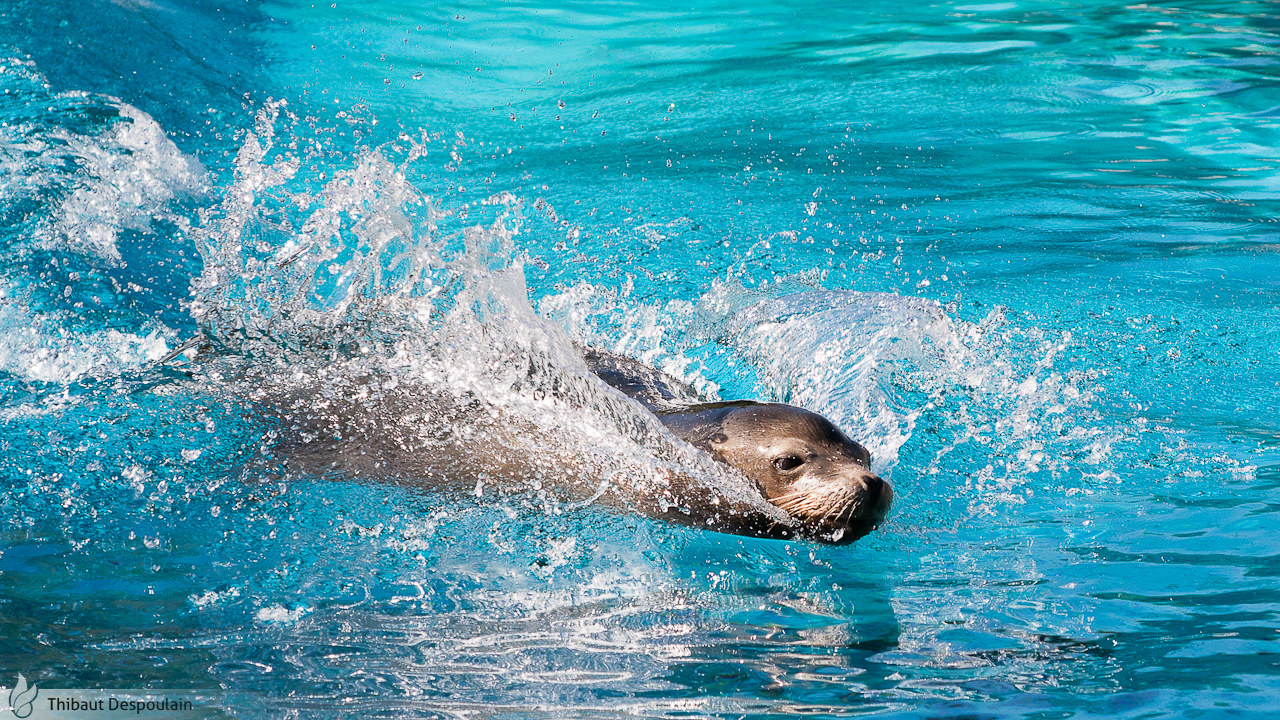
(785, 472)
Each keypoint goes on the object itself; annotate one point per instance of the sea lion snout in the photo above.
(837, 504)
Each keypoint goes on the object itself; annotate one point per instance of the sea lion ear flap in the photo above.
(714, 445)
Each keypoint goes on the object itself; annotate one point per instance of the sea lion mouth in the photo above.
(841, 511)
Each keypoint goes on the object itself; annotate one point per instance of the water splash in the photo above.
(127, 178)
(39, 347)
(985, 412)
(405, 318)
(81, 174)
(96, 165)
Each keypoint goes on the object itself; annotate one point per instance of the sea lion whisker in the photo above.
(835, 507)
(849, 509)
(797, 502)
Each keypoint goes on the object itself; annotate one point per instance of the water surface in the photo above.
(1026, 252)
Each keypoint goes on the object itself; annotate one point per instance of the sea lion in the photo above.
(798, 475)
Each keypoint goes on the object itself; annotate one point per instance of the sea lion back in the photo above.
(652, 388)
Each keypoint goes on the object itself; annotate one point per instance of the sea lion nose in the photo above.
(879, 496)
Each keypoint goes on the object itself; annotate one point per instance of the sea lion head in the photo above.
(800, 462)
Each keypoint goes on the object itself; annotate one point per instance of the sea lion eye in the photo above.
(787, 462)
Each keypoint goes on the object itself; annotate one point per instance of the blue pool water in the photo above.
(1027, 252)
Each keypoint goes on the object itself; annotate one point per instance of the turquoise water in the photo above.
(1025, 252)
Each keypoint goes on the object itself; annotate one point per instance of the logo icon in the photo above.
(21, 698)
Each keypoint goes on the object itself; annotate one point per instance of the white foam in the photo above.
(125, 177)
(211, 597)
(38, 346)
(280, 615)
